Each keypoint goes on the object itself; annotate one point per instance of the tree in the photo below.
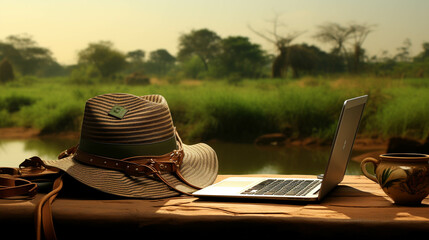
(403, 54)
(339, 35)
(136, 56)
(160, 62)
(24, 53)
(282, 43)
(136, 60)
(305, 59)
(6, 71)
(358, 34)
(104, 57)
(334, 34)
(421, 61)
(424, 55)
(240, 57)
(203, 43)
(8, 51)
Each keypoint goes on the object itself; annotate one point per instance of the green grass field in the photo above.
(239, 111)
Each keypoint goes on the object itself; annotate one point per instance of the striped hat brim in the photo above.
(199, 167)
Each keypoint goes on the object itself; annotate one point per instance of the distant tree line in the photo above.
(23, 55)
(203, 54)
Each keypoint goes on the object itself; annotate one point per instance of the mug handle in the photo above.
(375, 162)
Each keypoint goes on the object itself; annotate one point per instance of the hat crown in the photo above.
(118, 119)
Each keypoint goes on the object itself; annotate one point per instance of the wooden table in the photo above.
(356, 208)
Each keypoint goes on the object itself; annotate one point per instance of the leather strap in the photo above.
(13, 184)
(139, 165)
(43, 213)
(17, 181)
(135, 166)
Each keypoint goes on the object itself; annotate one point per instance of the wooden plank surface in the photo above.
(357, 207)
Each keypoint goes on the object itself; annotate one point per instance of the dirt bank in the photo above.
(361, 143)
(26, 133)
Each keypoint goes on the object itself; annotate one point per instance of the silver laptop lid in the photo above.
(347, 128)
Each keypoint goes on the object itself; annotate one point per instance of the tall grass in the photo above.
(240, 111)
(405, 112)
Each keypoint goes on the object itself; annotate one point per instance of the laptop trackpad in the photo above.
(239, 184)
(231, 185)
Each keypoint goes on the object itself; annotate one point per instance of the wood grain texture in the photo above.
(356, 208)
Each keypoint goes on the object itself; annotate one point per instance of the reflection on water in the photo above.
(13, 152)
(233, 158)
(250, 159)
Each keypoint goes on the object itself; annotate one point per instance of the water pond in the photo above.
(234, 158)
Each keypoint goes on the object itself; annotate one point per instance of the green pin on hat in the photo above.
(118, 111)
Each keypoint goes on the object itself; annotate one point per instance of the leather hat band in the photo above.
(121, 151)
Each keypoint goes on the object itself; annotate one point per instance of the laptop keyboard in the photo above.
(286, 187)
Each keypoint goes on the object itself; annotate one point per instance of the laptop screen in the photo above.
(347, 128)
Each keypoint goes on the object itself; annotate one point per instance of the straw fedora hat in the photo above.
(129, 147)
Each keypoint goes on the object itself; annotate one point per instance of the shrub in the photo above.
(85, 74)
(137, 79)
(66, 118)
(14, 103)
(5, 119)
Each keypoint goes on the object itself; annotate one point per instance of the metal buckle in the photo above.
(175, 157)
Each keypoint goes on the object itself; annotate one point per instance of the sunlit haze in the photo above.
(67, 26)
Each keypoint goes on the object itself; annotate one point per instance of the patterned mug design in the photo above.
(403, 177)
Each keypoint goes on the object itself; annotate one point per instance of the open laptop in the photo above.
(299, 189)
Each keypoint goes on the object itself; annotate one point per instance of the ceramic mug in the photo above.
(404, 177)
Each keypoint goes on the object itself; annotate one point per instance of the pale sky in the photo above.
(67, 26)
